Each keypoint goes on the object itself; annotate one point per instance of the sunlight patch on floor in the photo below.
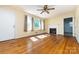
(41, 36)
(33, 39)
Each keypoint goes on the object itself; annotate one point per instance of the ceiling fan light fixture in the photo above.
(45, 9)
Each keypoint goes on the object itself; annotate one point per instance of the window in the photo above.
(42, 24)
(37, 25)
(29, 23)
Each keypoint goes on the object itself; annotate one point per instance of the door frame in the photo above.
(72, 25)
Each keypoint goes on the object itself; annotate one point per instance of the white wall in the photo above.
(77, 23)
(20, 17)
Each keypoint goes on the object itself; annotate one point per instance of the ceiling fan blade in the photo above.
(39, 9)
(47, 12)
(41, 12)
(50, 8)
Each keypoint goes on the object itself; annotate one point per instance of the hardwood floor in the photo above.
(52, 44)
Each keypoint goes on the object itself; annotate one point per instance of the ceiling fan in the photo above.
(45, 9)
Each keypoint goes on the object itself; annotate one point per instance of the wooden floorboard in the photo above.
(52, 44)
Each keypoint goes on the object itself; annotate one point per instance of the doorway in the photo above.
(68, 26)
(7, 23)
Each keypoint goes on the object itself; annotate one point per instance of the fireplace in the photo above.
(52, 30)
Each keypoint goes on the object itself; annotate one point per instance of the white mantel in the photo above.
(52, 26)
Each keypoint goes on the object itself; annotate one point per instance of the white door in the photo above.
(7, 23)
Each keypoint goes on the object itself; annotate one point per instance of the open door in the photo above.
(68, 26)
(7, 23)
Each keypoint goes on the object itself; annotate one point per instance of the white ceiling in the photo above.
(59, 9)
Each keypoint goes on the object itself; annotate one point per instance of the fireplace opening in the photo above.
(52, 30)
